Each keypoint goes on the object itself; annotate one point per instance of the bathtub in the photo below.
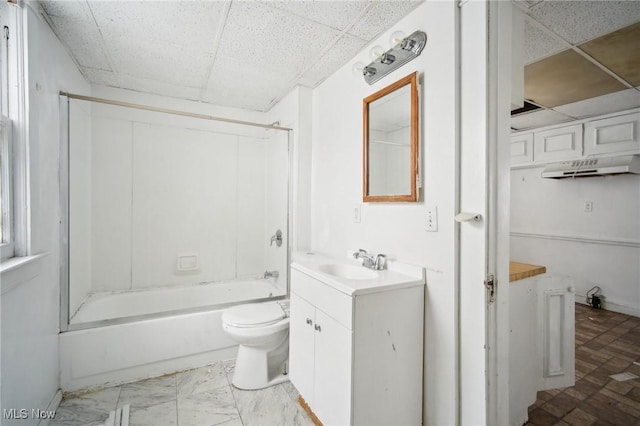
(119, 344)
(109, 305)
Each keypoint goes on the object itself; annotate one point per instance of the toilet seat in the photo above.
(253, 315)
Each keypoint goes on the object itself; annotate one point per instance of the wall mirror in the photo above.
(390, 145)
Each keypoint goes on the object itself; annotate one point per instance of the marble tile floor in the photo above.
(607, 343)
(199, 397)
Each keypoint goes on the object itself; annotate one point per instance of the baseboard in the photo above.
(609, 305)
(52, 407)
(309, 411)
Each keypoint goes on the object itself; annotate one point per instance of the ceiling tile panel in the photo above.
(335, 14)
(191, 24)
(565, 78)
(381, 16)
(231, 81)
(102, 77)
(272, 40)
(605, 104)
(342, 52)
(159, 88)
(152, 61)
(537, 119)
(69, 10)
(83, 40)
(538, 43)
(619, 51)
(580, 21)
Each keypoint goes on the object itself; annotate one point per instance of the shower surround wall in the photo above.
(160, 187)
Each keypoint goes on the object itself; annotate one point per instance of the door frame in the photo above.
(483, 188)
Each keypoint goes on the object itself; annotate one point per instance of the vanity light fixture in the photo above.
(404, 50)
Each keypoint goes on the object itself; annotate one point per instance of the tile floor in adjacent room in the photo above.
(199, 397)
(607, 343)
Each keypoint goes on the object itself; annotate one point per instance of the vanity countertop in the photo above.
(520, 271)
(397, 275)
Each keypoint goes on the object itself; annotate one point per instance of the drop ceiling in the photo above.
(582, 59)
(245, 54)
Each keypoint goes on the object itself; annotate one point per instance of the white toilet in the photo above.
(262, 332)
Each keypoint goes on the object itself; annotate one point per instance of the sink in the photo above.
(349, 272)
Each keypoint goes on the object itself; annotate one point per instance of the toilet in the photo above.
(262, 333)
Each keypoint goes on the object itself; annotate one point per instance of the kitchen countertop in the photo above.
(520, 271)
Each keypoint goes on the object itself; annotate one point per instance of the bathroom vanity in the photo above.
(356, 341)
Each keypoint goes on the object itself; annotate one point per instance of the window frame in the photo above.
(7, 244)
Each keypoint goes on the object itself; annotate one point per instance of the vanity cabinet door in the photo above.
(332, 391)
(301, 346)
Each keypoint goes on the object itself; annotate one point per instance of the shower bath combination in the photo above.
(128, 171)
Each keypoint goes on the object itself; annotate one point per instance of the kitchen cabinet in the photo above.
(356, 357)
(612, 135)
(558, 144)
(521, 148)
(541, 344)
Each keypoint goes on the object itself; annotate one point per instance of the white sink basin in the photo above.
(349, 272)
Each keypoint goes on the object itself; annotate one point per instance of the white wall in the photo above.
(294, 112)
(30, 311)
(397, 229)
(550, 227)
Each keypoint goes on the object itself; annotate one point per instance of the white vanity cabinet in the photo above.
(356, 356)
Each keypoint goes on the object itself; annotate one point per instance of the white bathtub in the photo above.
(105, 306)
(148, 347)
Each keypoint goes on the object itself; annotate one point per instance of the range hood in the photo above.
(593, 167)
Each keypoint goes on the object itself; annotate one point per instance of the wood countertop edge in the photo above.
(519, 271)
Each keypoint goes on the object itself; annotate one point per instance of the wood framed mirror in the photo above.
(390, 142)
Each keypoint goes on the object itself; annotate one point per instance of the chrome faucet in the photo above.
(377, 263)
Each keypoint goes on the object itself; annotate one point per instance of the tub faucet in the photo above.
(269, 274)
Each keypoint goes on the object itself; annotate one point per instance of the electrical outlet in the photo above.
(588, 206)
(432, 219)
(356, 213)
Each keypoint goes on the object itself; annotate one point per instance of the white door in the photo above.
(556, 332)
(485, 76)
(302, 347)
(332, 397)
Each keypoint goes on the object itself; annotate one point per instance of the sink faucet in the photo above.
(377, 263)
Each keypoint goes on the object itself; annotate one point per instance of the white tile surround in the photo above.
(199, 397)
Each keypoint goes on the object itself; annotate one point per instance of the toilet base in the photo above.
(256, 369)
(282, 378)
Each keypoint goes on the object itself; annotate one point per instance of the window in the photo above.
(6, 189)
(12, 158)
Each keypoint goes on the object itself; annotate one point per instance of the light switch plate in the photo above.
(356, 213)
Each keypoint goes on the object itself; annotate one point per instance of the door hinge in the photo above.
(490, 285)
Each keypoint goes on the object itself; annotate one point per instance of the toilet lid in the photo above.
(253, 315)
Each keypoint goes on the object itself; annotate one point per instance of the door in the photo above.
(556, 332)
(483, 188)
(302, 346)
(332, 392)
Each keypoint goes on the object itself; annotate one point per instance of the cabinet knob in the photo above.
(317, 327)
(309, 321)
(571, 289)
